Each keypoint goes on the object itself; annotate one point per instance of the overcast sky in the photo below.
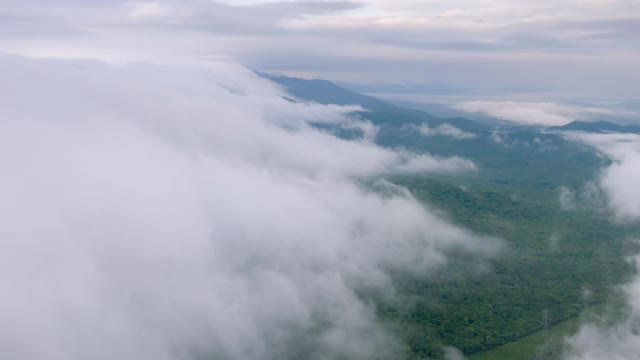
(561, 48)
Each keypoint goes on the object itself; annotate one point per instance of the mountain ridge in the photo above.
(598, 127)
(379, 112)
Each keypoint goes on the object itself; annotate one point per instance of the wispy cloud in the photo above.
(445, 130)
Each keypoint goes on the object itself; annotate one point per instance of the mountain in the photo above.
(326, 92)
(598, 127)
(378, 112)
(503, 154)
(433, 88)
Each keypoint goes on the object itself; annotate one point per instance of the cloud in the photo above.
(618, 181)
(546, 114)
(180, 212)
(445, 130)
(617, 342)
(554, 241)
(451, 353)
(567, 198)
(534, 113)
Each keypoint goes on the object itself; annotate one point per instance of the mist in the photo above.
(190, 211)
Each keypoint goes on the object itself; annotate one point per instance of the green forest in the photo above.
(558, 263)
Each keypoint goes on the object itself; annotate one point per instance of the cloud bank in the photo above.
(182, 212)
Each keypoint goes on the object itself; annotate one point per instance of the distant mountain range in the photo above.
(326, 92)
(377, 111)
(406, 88)
(598, 127)
(503, 152)
(381, 112)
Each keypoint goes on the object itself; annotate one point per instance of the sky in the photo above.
(564, 49)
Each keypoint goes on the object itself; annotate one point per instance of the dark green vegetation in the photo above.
(543, 345)
(326, 92)
(556, 264)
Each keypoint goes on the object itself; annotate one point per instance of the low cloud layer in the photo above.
(182, 212)
(535, 113)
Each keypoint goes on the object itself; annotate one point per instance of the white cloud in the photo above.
(620, 180)
(554, 241)
(142, 10)
(445, 130)
(546, 114)
(534, 113)
(171, 212)
(567, 198)
(497, 138)
(451, 353)
(616, 342)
